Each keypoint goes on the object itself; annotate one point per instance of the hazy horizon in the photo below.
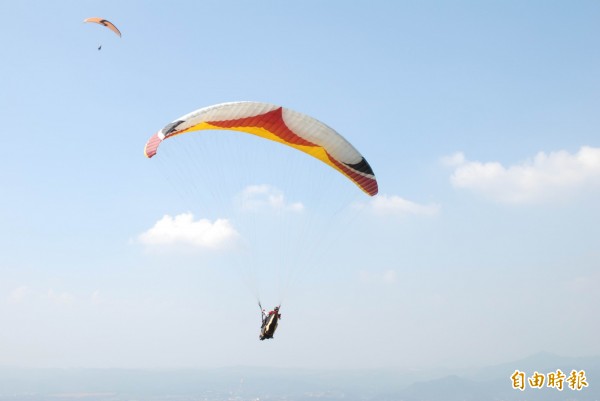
(244, 383)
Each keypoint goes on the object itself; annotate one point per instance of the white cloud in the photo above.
(182, 229)
(63, 298)
(265, 197)
(387, 277)
(584, 284)
(455, 159)
(19, 294)
(385, 205)
(546, 176)
(96, 298)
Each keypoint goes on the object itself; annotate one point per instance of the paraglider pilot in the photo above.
(269, 323)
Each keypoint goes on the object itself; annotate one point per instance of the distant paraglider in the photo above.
(105, 23)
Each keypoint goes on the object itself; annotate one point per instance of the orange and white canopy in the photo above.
(104, 22)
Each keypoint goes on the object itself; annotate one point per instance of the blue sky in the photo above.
(479, 119)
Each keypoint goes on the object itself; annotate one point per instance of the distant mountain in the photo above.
(541, 362)
(449, 388)
(491, 383)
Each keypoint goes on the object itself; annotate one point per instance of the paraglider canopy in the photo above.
(105, 23)
(278, 124)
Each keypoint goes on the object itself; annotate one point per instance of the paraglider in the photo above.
(105, 23)
(278, 124)
(285, 126)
